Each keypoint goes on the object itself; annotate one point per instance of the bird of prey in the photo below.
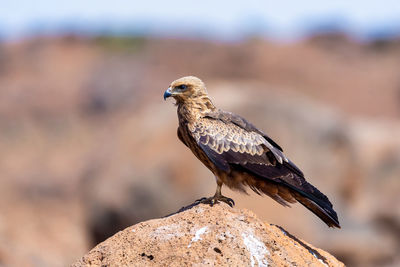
(239, 154)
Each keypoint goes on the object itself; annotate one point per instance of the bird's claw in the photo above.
(227, 200)
(215, 199)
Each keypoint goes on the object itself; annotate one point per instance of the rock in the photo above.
(204, 235)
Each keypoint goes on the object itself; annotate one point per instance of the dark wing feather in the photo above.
(239, 147)
(229, 117)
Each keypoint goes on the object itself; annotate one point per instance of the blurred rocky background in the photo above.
(89, 147)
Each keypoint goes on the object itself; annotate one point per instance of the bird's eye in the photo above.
(182, 87)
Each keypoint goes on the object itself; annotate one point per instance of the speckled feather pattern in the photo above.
(222, 137)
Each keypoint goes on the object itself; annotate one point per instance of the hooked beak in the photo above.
(167, 93)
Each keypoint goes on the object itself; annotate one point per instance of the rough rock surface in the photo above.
(204, 235)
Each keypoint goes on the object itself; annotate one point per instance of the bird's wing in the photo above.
(231, 118)
(232, 142)
(226, 144)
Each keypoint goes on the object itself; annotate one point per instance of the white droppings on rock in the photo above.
(167, 232)
(197, 235)
(256, 248)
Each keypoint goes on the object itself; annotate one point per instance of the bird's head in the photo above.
(186, 89)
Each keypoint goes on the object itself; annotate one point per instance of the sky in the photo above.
(214, 19)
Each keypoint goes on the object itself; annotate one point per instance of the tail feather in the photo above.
(289, 188)
(317, 203)
(327, 215)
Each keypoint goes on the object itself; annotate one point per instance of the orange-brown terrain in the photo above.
(204, 235)
(89, 147)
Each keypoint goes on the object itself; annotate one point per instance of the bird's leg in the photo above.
(217, 197)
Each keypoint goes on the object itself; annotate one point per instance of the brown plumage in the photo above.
(239, 154)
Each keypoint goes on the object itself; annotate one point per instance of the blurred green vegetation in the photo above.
(128, 44)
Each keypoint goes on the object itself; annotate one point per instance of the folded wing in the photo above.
(236, 146)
